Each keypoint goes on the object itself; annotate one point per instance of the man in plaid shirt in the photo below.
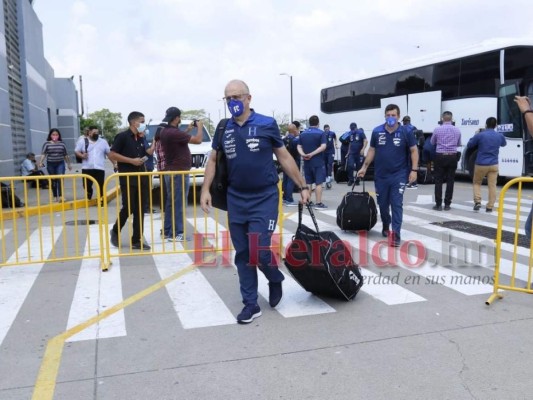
(447, 137)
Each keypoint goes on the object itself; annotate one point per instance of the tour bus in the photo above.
(474, 84)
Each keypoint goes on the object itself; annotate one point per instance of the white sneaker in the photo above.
(179, 238)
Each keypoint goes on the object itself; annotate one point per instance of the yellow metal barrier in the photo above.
(76, 227)
(509, 281)
(43, 229)
(209, 233)
(205, 235)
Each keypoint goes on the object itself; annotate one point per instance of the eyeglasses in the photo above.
(227, 99)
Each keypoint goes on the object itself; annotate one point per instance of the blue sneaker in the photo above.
(275, 293)
(248, 314)
(320, 206)
(289, 203)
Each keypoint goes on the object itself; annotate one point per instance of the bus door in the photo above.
(528, 138)
(511, 158)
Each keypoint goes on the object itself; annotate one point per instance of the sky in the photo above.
(148, 55)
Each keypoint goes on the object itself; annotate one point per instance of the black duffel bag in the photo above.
(322, 263)
(357, 211)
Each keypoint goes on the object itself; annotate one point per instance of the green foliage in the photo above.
(85, 123)
(200, 115)
(108, 123)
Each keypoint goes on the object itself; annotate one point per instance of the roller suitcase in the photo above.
(341, 175)
(357, 211)
(321, 263)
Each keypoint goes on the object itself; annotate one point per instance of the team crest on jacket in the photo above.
(253, 144)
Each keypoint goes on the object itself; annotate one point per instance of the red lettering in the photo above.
(342, 256)
(316, 254)
(226, 249)
(376, 254)
(363, 248)
(420, 253)
(294, 248)
(200, 243)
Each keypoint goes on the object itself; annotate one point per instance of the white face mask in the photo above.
(141, 127)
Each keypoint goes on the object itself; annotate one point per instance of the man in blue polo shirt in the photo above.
(311, 148)
(394, 150)
(356, 153)
(331, 146)
(249, 142)
(345, 142)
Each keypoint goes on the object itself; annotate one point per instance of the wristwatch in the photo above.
(528, 111)
(304, 188)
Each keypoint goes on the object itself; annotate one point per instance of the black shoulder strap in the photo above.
(221, 127)
(86, 144)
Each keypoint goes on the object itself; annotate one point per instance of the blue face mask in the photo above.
(141, 128)
(235, 107)
(391, 121)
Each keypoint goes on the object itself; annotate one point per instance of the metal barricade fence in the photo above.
(76, 227)
(203, 235)
(506, 276)
(36, 228)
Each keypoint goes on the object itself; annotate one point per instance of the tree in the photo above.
(283, 121)
(107, 122)
(199, 115)
(85, 123)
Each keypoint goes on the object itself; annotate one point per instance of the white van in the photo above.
(199, 152)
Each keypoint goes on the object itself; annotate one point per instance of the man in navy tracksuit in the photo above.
(249, 142)
(395, 151)
(356, 153)
(331, 146)
(311, 148)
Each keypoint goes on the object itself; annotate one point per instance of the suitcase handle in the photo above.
(362, 179)
(300, 213)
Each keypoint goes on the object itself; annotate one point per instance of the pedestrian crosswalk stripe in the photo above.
(16, 282)
(297, 302)
(494, 214)
(505, 264)
(3, 251)
(424, 199)
(194, 299)
(95, 292)
(427, 225)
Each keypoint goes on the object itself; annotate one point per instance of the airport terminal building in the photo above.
(32, 99)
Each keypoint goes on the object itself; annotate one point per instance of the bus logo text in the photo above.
(469, 121)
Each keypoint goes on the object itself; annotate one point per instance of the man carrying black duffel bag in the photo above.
(249, 142)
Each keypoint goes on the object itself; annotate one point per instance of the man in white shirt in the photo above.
(29, 168)
(93, 151)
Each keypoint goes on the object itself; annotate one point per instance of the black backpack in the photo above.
(78, 159)
(322, 263)
(219, 185)
(425, 177)
(9, 198)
